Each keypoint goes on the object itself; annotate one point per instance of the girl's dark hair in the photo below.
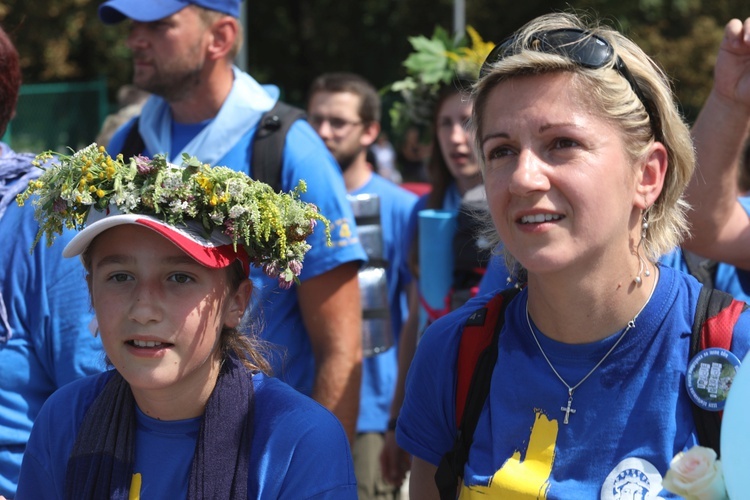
(10, 80)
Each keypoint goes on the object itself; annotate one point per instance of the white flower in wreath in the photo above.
(178, 205)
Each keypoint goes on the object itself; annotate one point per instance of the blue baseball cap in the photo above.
(146, 11)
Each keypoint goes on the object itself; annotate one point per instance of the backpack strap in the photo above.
(702, 269)
(269, 140)
(477, 356)
(133, 144)
(715, 316)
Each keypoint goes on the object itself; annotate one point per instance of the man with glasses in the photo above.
(203, 105)
(345, 111)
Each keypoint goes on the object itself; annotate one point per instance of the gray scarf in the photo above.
(16, 171)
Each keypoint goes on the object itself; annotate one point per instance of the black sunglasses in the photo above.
(583, 48)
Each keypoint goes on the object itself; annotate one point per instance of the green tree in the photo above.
(289, 42)
(63, 40)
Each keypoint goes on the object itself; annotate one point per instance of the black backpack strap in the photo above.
(702, 269)
(711, 303)
(268, 143)
(133, 144)
(451, 467)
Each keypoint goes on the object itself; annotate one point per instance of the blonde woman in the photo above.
(585, 158)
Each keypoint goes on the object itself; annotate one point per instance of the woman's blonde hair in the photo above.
(612, 97)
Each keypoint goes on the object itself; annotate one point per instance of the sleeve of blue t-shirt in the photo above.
(426, 424)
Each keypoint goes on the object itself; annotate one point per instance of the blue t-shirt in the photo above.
(379, 371)
(49, 314)
(276, 312)
(633, 414)
(299, 449)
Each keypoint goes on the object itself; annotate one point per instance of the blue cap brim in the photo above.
(145, 11)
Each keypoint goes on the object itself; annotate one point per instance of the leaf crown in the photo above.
(434, 62)
(271, 226)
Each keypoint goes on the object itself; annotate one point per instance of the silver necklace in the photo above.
(569, 408)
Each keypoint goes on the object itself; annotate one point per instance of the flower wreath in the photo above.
(271, 226)
(435, 62)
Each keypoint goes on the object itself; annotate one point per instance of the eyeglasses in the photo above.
(583, 48)
(337, 124)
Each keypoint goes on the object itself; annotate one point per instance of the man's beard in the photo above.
(173, 81)
(346, 159)
(173, 87)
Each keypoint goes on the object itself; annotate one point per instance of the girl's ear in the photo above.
(237, 303)
(650, 177)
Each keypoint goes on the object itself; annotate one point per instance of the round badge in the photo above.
(709, 377)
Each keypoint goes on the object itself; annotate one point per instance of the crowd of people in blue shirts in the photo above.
(145, 357)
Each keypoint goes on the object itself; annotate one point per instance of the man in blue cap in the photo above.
(203, 105)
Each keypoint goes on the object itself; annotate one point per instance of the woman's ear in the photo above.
(650, 177)
(237, 303)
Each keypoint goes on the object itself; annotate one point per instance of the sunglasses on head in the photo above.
(583, 48)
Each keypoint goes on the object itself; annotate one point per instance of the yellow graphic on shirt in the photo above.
(342, 233)
(523, 475)
(135, 487)
(345, 231)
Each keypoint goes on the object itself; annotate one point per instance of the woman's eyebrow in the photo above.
(494, 135)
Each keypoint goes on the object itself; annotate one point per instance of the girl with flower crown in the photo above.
(188, 410)
(453, 171)
(444, 109)
(585, 158)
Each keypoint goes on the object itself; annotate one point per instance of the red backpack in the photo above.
(713, 326)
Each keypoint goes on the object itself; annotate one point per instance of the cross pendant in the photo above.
(567, 409)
